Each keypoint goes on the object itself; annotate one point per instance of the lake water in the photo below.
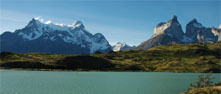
(57, 82)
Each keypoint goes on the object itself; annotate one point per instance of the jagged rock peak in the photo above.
(35, 22)
(195, 23)
(172, 28)
(174, 19)
(78, 23)
(171, 32)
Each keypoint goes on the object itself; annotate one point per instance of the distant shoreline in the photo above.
(66, 70)
(29, 69)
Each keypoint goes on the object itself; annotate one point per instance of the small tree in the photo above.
(203, 81)
(208, 80)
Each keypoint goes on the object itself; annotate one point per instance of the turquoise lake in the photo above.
(63, 82)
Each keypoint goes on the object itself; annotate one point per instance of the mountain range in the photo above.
(47, 37)
(171, 32)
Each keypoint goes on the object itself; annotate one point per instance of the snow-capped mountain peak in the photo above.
(48, 22)
(38, 22)
(78, 24)
(38, 19)
(122, 46)
(71, 34)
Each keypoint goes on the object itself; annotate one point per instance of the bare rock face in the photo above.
(171, 28)
(198, 33)
(165, 33)
(217, 32)
(192, 28)
(158, 40)
(171, 32)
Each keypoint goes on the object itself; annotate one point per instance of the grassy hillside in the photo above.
(166, 58)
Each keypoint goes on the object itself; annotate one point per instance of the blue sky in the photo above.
(130, 21)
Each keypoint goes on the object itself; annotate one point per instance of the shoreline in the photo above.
(66, 70)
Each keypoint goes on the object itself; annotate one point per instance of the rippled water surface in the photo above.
(57, 82)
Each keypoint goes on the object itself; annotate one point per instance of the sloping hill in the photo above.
(166, 58)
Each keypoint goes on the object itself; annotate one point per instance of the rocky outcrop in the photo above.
(200, 34)
(171, 32)
(164, 33)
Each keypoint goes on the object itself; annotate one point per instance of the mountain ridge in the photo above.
(171, 32)
(47, 37)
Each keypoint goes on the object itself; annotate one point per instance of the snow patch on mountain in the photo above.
(39, 19)
(48, 22)
(74, 33)
(122, 46)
